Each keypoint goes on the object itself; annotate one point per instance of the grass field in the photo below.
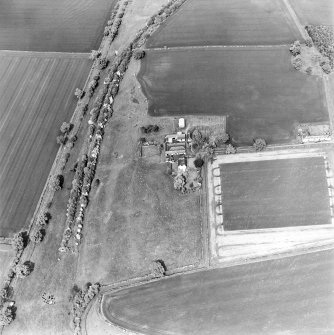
(36, 96)
(227, 22)
(64, 26)
(293, 295)
(314, 12)
(6, 256)
(257, 88)
(136, 219)
(276, 193)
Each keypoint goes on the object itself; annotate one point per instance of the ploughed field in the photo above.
(257, 88)
(36, 96)
(226, 22)
(275, 193)
(290, 295)
(314, 11)
(62, 25)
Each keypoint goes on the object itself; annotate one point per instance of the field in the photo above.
(292, 295)
(257, 88)
(275, 193)
(227, 22)
(63, 26)
(314, 12)
(6, 256)
(36, 96)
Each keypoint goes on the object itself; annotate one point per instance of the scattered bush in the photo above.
(61, 139)
(139, 54)
(79, 93)
(230, 149)
(95, 54)
(259, 144)
(309, 70)
(149, 129)
(308, 42)
(297, 63)
(326, 67)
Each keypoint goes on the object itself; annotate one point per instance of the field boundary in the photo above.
(222, 46)
(43, 54)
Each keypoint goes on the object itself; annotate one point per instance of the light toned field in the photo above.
(36, 96)
(226, 22)
(293, 295)
(6, 256)
(64, 26)
(314, 12)
(257, 88)
(273, 194)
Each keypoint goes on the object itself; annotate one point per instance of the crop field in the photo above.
(293, 295)
(63, 26)
(314, 12)
(257, 88)
(275, 193)
(227, 22)
(36, 96)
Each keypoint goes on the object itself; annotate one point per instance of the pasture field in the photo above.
(63, 26)
(275, 193)
(289, 295)
(226, 22)
(6, 257)
(257, 88)
(36, 97)
(319, 12)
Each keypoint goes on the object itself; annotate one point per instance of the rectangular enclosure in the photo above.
(275, 193)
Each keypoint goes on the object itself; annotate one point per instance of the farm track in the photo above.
(36, 95)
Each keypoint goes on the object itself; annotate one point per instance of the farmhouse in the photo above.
(175, 148)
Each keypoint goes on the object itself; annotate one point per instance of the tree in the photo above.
(57, 182)
(7, 315)
(295, 48)
(139, 54)
(198, 162)
(259, 144)
(297, 63)
(23, 270)
(19, 241)
(159, 268)
(180, 183)
(197, 136)
(38, 236)
(65, 127)
(102, 63)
